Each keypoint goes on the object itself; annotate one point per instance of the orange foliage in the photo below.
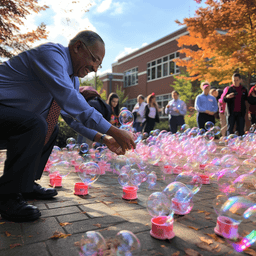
(224, 33)
(12, 15)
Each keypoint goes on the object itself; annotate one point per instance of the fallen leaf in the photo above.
(14, 245)
(97, 225)
(204, 246)
(193, 227)
(176, 254)
(133, 202)
(77, 243)
(250, 252)
(2, 223)
(208, 241)
(207, 213)
(191, 252)
(208, 218)
(200, 211)
(7, 233)
(82, 212)
(30, 236)
(107, 202)
(65, 224)
(57, 235)
(216, 238)
(163, 246)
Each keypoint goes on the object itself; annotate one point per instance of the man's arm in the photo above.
(198, 106)
(92, 134)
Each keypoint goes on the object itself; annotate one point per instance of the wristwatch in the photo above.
(102, 138)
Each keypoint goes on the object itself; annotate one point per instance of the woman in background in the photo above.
(151, 113)
(113, 102)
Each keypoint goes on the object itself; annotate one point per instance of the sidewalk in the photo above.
(105, 211)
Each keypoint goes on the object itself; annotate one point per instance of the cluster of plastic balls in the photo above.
(125, 243)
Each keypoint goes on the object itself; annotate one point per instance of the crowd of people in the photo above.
(229, 105)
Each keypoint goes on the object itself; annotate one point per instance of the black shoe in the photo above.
(40, 193)
(15, 208)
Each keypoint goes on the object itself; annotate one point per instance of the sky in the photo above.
(125, 26)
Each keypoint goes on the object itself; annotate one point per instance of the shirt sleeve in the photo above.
(50, 66)
(78, 127)
(198, 105)
(167, 110)
(183, 110)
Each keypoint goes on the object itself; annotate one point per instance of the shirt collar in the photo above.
(70, 65)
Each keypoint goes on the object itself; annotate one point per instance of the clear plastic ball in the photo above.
(216, 130)
(123, 179)
(154, 154)
(151, 179)
(62, 168)
(126, 117)
(89, 172)
(92, 243)
(172, 189)
(226, 180)
(158, 204)
(136, 179)
(209, 125)
(245, 184)
(184, 127)
(84, 148)
(218, 202)
(191, 180)
(128, 244)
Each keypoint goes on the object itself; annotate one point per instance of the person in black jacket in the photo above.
(235, 99)
(151, 113)
(252, 107)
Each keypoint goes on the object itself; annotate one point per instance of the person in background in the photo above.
(221, 106)
(252, 107)
(235, 98)
(113, 102)
(176, 109)
(206, 106)
(222, 112)
(151, 113)
(138, 112)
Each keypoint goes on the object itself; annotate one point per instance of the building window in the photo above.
(131, 77)
(130, 104)
(162, 67)
(162, 101)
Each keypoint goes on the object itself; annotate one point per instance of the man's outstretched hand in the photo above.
(122, 137)
(111, 143)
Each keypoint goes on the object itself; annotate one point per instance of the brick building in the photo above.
(149, 69)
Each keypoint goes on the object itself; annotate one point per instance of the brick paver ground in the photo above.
(105, 211)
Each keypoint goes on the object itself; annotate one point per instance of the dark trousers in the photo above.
(150, 124)
(238, 119)
(202, 118)
(138, 126)
(253, 120)
(22, 134)
(175, 121)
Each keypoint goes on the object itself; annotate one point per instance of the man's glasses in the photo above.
(93, 57)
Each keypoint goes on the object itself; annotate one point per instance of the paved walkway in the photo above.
(105, 211)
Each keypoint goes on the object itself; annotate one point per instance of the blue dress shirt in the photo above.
(206, 102)
(178, 104)
(32, 79)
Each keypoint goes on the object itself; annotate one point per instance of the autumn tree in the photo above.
(121, 95)
(221, 41)
(12, 16)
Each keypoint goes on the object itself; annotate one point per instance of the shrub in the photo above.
(162, 125)
(65, 132)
